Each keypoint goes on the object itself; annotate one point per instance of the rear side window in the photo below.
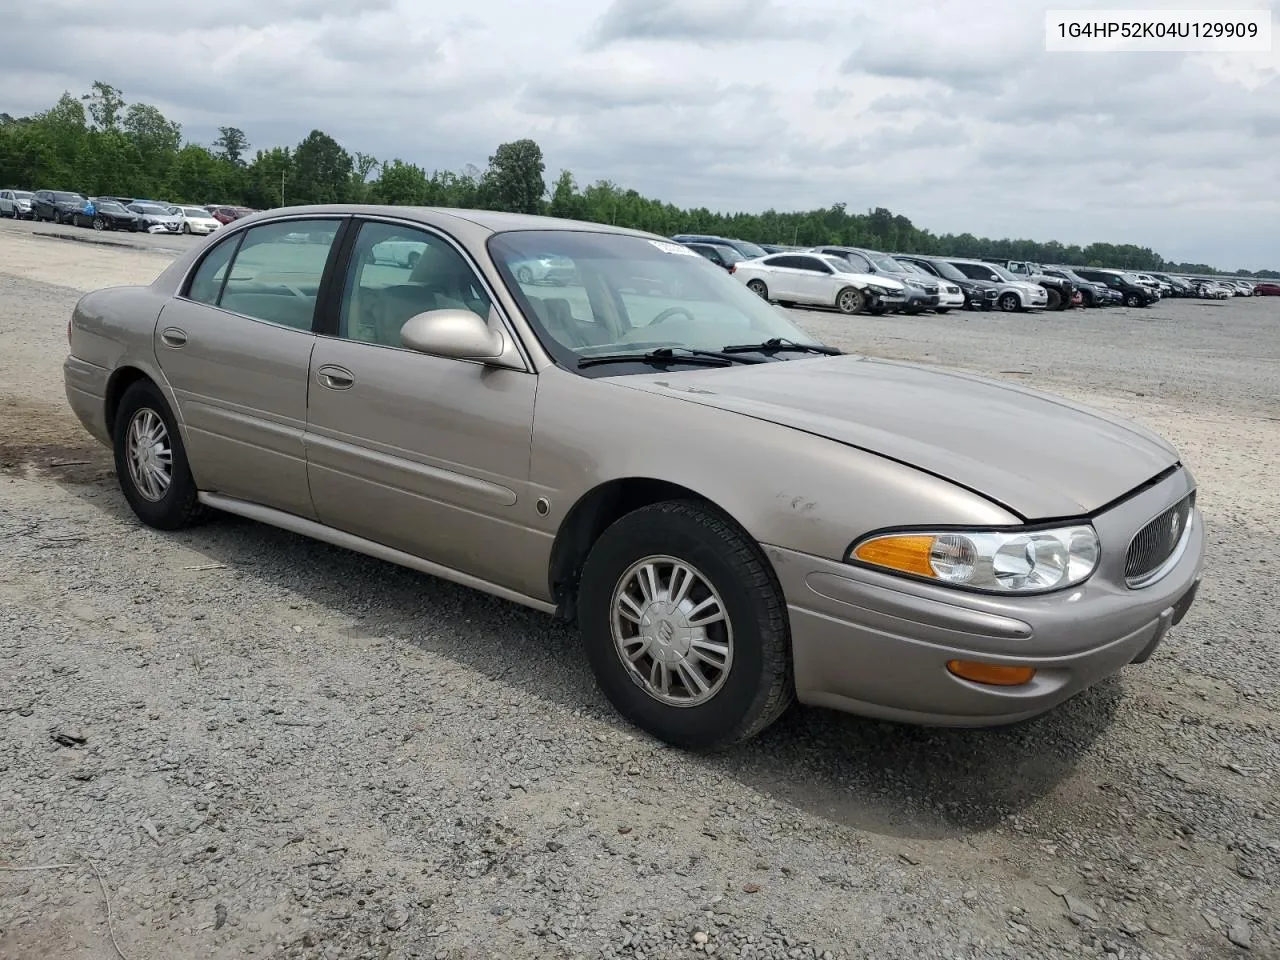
(206, 285)
(274, 274)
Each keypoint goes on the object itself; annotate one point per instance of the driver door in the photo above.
(427, 455)
(814, 280)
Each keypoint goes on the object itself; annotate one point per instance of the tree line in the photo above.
(101, 145)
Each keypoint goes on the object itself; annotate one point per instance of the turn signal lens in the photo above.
(999, 561)
(908, 554)
(991, 674)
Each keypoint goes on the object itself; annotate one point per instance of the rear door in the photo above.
(816, 280)
(235, 346)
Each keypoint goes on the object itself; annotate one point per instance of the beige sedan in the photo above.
(734, 515)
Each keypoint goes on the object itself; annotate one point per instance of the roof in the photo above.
(492, 221)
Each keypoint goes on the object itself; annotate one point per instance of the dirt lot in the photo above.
(267, 747)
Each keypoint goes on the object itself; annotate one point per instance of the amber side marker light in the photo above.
(991, 674)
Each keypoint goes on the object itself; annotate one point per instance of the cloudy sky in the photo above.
(947, 111)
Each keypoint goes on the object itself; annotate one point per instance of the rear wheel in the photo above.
(758, 288)
(151, 462)
(851, 301)
(685, 627)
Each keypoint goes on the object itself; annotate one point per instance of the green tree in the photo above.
(566, 201)
(321, 170)
(231, 145)
(196, 175)
(105, 103)
(402, 184)
(268, 177)
(514, 181)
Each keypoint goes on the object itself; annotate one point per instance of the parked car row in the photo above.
(117, 213)
(854, 280)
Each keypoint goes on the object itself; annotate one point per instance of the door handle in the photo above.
(173, 337)
(335, 378)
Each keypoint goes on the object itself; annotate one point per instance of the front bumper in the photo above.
(877, 645)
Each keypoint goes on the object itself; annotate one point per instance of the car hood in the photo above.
(863, 279)
(1040, 456)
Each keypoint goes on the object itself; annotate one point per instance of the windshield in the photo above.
(728, 254)
(914, 268)
(152, 209)
(947, 270)
(838, 264)
(22, 194)
(64, 197)
(888, 263)
(750, 250)
(195, 212)
(1000, 272)
(108, 207)
(625, 294)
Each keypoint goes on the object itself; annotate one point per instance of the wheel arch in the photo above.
(121, 379)
(592, 514)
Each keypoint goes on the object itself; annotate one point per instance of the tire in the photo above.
(758, 288)
(176, 506)
(1132, 300)
(1009, 302)
(1055, 299)
(755, 687)
(99, 223)
(524, 275)
(412, 259)
(186, 228)
(851, 301)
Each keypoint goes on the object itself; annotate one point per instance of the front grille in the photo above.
(1156, 542)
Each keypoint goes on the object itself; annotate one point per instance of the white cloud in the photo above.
(950, 113)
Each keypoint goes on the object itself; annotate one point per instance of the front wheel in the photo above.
(99, 223)
(685, 626)
(151, 462)
(851, 301)
(1132, 300)
(758, 288)
(1009, 302)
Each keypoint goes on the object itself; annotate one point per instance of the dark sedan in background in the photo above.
(104, 213)
(721, 254)
(57, 206)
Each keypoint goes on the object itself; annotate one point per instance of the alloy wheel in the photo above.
(671, 629)
(149, 454)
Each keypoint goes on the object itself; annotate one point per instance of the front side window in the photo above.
(625, 294)
(398, 272)
(274, 275)
(813, 265)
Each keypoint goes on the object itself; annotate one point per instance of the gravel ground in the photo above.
(263, 746)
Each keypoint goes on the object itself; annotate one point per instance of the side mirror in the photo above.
(459, 335)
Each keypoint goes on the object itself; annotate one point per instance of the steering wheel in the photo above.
(668, 313)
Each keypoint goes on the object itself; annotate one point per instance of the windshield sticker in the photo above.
(672, 248)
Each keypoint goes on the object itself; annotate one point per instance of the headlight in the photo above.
(995, 561)
(883, 291)
(915, 284)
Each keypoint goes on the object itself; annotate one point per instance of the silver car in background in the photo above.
(155, 218)
(1012, 294)
(16, 204)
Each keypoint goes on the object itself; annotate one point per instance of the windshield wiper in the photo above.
(664, 355)
(774, 344)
